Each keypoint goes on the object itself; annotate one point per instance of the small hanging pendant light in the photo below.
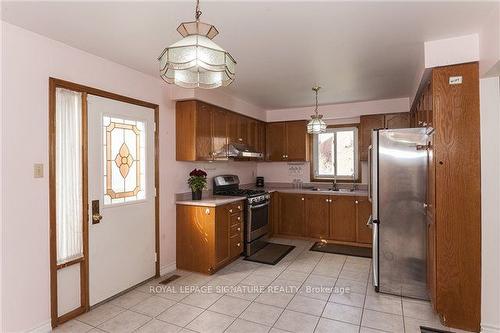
(196, 61)
(316, 125)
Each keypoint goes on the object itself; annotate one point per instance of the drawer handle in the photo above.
(239, 218)
(239, 229)
(356, 202)
(230, 210)
(238, 245)
(207, 211)
(239, 207)
(302, 199)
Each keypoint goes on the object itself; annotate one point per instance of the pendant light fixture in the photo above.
(196, 61)
(316, 125)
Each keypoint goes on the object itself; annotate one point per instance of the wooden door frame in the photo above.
(84, 263)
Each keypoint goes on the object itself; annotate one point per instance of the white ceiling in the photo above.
(356, 50)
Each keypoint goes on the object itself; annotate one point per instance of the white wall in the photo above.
(489, 44)
(28, 60)
(450, 51)
(490, 207)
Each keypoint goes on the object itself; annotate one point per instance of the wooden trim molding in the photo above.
(83, 261)
(311, 158)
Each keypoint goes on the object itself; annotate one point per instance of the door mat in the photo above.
(424, 329)
(170, 279)
(355, 251)
(271, 254)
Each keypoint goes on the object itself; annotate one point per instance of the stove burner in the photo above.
(241, 192)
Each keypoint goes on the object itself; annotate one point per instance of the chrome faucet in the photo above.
(334, 184)
(354, 184)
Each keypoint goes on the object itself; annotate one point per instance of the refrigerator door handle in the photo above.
(375, 255)
(370, 173)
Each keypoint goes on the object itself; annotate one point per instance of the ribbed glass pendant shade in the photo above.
(196, 61)
(316, 125)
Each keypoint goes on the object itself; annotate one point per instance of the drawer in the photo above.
(236, 219)
(235, 246)
(236, 207)
(236, 230)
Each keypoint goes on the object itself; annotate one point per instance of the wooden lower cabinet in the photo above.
(292, 214)
(208, 238)
(337, 218)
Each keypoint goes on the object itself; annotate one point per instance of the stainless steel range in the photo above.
(256, 210)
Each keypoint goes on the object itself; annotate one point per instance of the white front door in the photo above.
(121, 173)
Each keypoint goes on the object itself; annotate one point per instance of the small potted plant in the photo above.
(197, 181)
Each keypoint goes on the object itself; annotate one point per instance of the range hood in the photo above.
(237, 150)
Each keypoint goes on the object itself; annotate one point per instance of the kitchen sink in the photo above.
(330, 189)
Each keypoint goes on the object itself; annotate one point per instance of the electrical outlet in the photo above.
(38, 170)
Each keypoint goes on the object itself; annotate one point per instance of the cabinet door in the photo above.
(397, 120)
(219, 130)
(344, 218)
(203, 132)
(367, 125)
(297, 143)
(292, 214)
(233, 127)
(317, 216)
(252, 133)
(275, 141)
(431, 225)
(261, 137)
(244, 124)
(222, 245)
(363, 212)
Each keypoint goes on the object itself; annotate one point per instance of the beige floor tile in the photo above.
(180, 314)
(369, 330)
(351, 299)
(126, 321)
(172, 292)
(352, 275)
(100, 314)
(315, 291)
(153, 306)
(296, 322)
(231, 306)
(210, 322)
(326, 270)
(262, 314)
(306, 305)
(246, 292)
(293, 275)
(320, 280)
(243, 326)
(341, 312)
(382, 321)
(158, 326)
(351, 286)
(333, 326)
(412, 325)
(276, 299)
(130, 299)
(73, 326)
(201, 300)
(419, 310)
(277, 330)
(257, 280)
(383, 303)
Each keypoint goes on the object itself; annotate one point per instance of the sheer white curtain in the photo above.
(68, 175)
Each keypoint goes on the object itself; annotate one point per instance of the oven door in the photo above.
(258, 221)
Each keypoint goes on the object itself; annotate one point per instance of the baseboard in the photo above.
(486, 328)
(168, 269)
(43, 328)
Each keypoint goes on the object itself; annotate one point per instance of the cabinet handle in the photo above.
(239, 229)
(327, 200)
(239, 218)
(238, 245)
(230, 210)
(207, 211)
(302, 199)
(239, 207)
(356, 202)
(330, 200)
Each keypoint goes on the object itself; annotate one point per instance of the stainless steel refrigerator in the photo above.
(398, 182)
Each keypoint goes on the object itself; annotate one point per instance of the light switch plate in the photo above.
(38, 170)
(455, 80)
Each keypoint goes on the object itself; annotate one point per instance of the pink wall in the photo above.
(28, 61)
(343, 110)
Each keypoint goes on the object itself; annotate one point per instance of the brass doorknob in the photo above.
(96, 218)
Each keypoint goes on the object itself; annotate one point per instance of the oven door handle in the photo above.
(259, 206)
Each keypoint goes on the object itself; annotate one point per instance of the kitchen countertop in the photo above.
(321, 191)
(209, 200)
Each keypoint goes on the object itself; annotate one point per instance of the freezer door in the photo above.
(373, 171)
(402, 239)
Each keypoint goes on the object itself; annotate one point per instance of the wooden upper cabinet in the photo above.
(292, 214)
(363, 212)
(297, 141)
(317, 212)
(219, 131)
(367, 125)
(204, 125)
(287, 141)
(260, 144)
(251, 133)
(275, 141)
(343, 220)
(397, 120)
(233, 127)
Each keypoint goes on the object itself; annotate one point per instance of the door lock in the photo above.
(96, 215)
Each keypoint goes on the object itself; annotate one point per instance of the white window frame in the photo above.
(336, 129)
